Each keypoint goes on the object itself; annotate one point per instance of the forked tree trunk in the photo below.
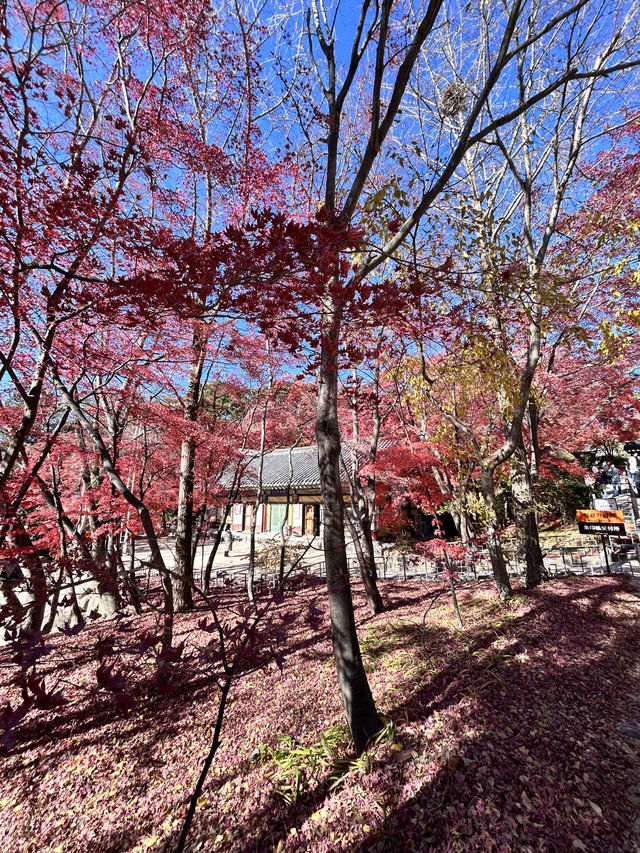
(528, 541)
(143, 513)
(496, 555)
(359, 706)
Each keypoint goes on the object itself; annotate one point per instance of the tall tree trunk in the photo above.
(251, 568)
(528, 542)
(359, 706)
(184, 518)
(496, 555)
(184, 529)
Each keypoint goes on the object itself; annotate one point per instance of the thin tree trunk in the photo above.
(363, 506)
(200, 533)
(128, 575)
(132, 582)
(366, 563)
(233, 494)
(184, 529)
(359, 706)
(254, 515)
(456, 606)
(251, 568)
(368, 570)
(110, 587)
(55, 602)
(214, 550)
(184, 517)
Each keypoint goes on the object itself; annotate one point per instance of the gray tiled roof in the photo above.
(295, 467)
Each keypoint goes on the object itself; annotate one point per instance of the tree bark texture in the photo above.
(496, 555)
(528, 541)
(184, 528)
(359, 706)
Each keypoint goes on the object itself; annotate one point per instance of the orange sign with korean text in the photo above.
(600, 516)
(603, 521)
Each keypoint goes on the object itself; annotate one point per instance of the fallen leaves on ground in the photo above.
(504, 737)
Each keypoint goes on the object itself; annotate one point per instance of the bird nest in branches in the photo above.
(453, 98)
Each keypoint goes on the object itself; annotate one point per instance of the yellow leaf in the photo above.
(202, 801)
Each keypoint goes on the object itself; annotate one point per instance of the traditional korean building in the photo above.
(291, 491)
(290, 488)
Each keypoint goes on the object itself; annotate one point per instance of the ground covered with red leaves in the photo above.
(501, 737)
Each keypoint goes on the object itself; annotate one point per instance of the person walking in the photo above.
(616, 480)
(634, 471)
(227, 540)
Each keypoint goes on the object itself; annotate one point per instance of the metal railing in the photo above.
(559, 560)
